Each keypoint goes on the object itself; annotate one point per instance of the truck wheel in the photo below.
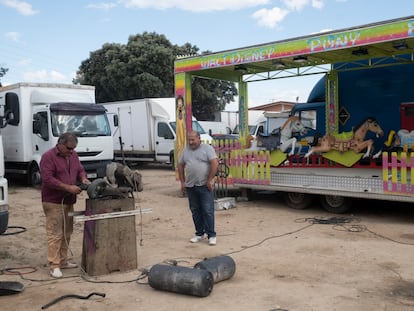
(297, 200)
(34, 179)
(336, 204)
(172, 163)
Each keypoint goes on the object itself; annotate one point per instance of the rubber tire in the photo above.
(34, 179)
(336, 204)
(172, 163)
(297, 200)
(96, 188)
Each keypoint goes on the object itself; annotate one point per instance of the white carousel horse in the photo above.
(287, 140)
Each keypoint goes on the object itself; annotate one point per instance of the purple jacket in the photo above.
(55, 170)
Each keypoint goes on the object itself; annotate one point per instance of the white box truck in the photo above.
(168, 103)
(43, 111)
(215, 128)
(141, 131)
(4, 193)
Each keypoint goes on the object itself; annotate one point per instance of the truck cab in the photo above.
(43, 112)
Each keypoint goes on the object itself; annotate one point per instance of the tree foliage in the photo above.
(144, 68)
(3, 72)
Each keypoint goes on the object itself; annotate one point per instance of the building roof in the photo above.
(279, 106)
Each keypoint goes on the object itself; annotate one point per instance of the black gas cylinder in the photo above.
(183, 280)
(221, 267)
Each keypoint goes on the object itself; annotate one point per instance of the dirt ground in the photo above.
(284, 261)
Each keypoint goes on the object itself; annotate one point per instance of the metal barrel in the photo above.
(221, 267)
(183, 280)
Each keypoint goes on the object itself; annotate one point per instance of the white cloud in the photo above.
(13, 35)
(296, 5)
(102, 5)
(35, 75)
(270, 18)
(44, 76)
(22, 7)
(317, 4)
(195, 6)
(57, 76)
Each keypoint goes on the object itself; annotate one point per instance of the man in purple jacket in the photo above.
(61, 170)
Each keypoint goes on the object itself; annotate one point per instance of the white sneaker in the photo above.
(56, 273)
(212, 240)
(196, 238)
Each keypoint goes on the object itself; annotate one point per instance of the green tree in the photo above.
(210, 96)
(144, 68)
(3, 72)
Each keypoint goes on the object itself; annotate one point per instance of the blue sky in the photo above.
(46, 41)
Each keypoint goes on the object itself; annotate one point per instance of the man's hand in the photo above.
(210, 185)
(73, 189)
(183, 188)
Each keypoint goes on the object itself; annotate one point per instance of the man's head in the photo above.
(194, 139)
(67, 142)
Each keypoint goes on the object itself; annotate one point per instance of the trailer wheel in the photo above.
(336, 204)
(33, 178)
(297, 200)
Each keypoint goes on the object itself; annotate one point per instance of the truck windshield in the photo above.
(80, 125)
(196, 127)
(252, 129)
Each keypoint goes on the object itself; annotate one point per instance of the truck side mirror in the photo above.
(116, 120)
(11, 109)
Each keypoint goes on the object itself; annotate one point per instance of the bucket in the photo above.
(221, 267)
(183, 280)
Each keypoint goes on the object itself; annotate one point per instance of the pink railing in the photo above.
(398, 172)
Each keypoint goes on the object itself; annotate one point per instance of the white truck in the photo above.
(4, 193)
(141, 131)
(41, 113)
(168, 103)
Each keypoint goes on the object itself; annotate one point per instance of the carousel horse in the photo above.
(287, 140)
(354, 140)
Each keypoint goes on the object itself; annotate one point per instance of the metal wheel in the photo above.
(34, 179)
(336, 204)
(297, 200)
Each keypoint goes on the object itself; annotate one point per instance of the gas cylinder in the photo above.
(183, 280)
(221, 267)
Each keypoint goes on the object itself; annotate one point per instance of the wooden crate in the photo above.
(109, 244)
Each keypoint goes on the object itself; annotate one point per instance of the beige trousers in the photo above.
(59, 228)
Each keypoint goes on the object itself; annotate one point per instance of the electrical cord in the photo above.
(144, 274)
(22, 229)
(335, 220)
(269, 238)
(28, 270)
(64, 223)
(71, 296)
(342, 224)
